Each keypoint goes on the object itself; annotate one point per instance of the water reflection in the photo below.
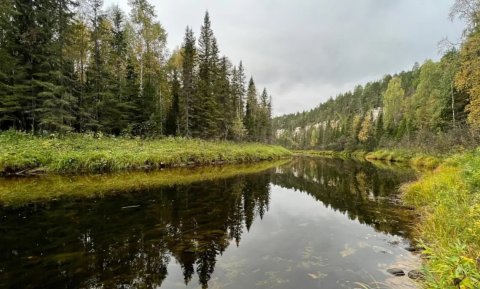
(361, 190)
(128, 242)
(136, 240)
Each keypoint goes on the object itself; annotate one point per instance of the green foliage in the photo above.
(103, 71)
(392, 103)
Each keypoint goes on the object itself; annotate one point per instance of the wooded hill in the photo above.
(68, 65)
(433, 106)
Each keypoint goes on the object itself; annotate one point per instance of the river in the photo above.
(309, 223)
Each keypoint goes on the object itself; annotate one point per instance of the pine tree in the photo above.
(225, 99)
(251, 112)
(263, 116)
(10, 104)
(206, 112)
(172, 124)
(238, 89)
(269, 121)
(187, 93)
(56, 109)
(36, 86)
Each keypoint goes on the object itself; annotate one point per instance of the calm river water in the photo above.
(311, 223)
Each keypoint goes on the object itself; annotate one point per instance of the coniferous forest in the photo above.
(73, 66)
(434, 106)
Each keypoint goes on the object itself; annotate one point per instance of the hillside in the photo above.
(424, 108)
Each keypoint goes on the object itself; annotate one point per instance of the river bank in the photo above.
(24, 154)
(447, 200)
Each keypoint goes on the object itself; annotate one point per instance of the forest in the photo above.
(73, 66)
(434, 107)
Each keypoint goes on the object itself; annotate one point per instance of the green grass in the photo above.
(414, 159)
(81, 153)
(20, 191)
(448, 200)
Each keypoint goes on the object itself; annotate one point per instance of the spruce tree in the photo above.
(251, 112)
(10, 105)
(206, 111)
(263, 116)
(187, 93)
(172, 124)
(56, 112)
(225, 99)
(238, 89)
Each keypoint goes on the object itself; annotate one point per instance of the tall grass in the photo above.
(448, 200)
(76, 153)
(414, 159)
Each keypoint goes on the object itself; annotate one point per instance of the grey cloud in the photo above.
(309, 50)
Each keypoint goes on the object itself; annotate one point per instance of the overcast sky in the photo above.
(306, 51)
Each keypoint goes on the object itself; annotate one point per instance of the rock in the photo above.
(313, 276)
(396, 272)
(457, 281)
(415, 275)
(414, 249)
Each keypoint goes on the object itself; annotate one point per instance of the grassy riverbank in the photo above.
(413, 158)
(26, 154)
(448, 200)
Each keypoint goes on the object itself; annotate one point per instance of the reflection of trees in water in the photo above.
(360, 190)
(95, 243)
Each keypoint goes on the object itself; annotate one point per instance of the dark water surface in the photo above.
(313, 223)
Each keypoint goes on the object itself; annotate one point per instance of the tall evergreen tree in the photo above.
(225, 99)
(206, 108)
(251, 112)
(172, 126)
(238, 89)
(188, 80)
(263, 116)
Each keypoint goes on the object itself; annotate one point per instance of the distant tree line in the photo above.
(69, 65)
(433, 106)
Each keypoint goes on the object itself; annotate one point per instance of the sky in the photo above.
(306, 51)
